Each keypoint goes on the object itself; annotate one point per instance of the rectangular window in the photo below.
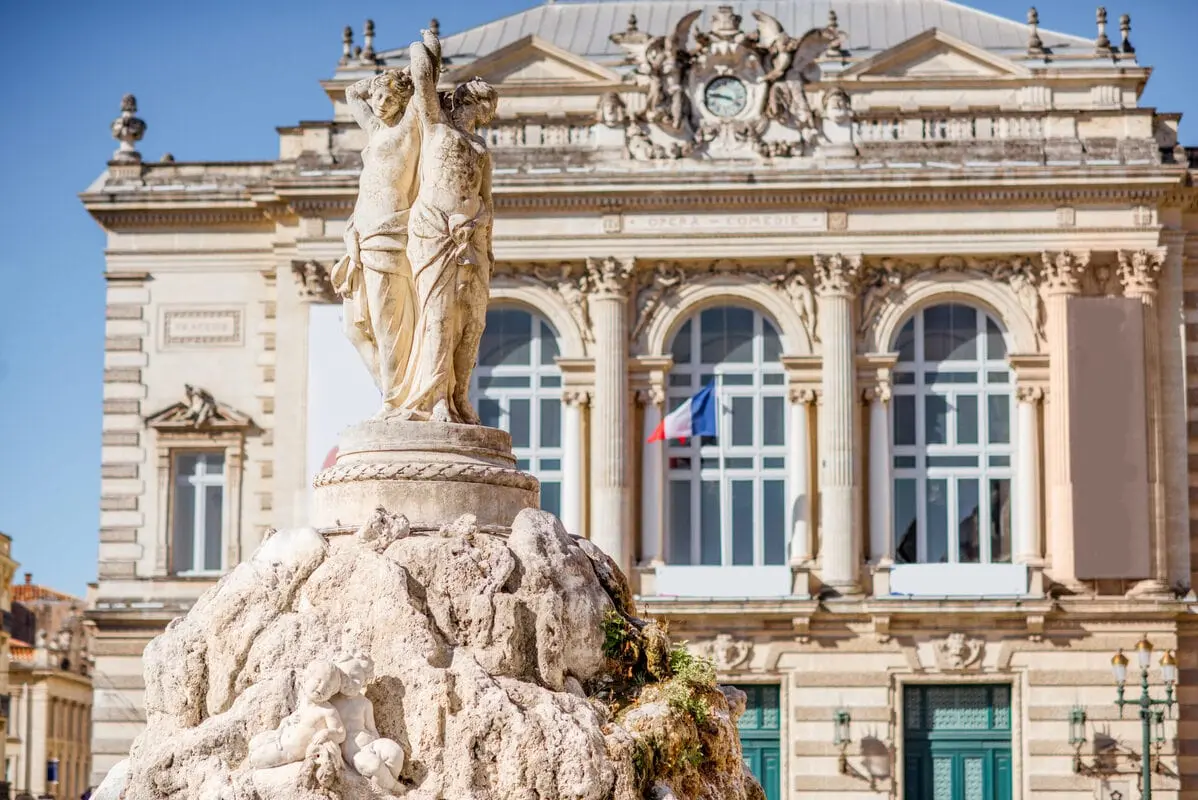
(1000, 520)
(742, 523)
(709, 523)
(197, 512)
(937, 525)
(680, 522)
(774, 522)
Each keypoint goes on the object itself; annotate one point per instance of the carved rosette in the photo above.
(1063, 271)
(1139, 271)
(837, 274)
(610, 278)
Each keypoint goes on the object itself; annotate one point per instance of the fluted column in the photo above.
(1062, 281)
(840, 495)
(1138, 272)
(881, 508)
(799, 477)
(611, 500)
(653, 503)
(572, 471)
(1029, 548)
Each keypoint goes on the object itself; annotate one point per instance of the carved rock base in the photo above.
(430, 470)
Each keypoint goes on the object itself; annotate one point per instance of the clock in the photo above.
(725, 96)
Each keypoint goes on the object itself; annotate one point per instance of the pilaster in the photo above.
(1063, 273)
(840, 493)
(877, 395)
(1138, 273)
(611, 496)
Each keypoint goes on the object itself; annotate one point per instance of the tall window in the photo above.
(197, 516)
(727, 493)
(517, 386)
(952, 439)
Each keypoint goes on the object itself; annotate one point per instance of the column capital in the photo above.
(653, 395)
(576, 398)
(1139, 271)
(879, 392)
(837, 274)
(1029, 394)
(803, 396)
(1063, 271)
(610, 277)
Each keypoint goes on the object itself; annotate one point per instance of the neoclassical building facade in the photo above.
(939, 268)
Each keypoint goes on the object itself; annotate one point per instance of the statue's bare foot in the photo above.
(466, 411)
(441, 412)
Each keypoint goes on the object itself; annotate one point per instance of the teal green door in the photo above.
(957, 742)
(760, 729)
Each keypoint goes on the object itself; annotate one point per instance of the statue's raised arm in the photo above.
(425, 70)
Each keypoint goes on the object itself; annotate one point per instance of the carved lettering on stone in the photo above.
(202, 327)
(959, 652)
(726, 652)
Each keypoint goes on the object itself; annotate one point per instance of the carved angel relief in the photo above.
(729, 94)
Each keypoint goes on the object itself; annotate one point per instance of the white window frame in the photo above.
(199, 481)
(710, 461)
(544, 383)
(908, 381)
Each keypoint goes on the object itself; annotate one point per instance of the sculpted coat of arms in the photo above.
(725, 92)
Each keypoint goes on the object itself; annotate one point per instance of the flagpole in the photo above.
(725, 495)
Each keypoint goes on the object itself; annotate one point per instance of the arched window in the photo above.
(726, 496)
(517, 386)
(952, 439)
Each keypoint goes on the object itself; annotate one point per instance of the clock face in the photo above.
(725, 96)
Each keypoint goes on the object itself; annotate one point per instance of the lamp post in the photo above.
(1145, 702)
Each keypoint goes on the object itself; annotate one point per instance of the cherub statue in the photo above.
(314, 722)
(374, 757)
(663, 62)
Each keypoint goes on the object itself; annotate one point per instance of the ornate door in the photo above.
(957, 742)
(760, 729)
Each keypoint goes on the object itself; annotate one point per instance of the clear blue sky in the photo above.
(213, 80)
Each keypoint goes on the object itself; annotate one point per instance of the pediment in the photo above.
(199, 412)
(533, 60)
(934, 55)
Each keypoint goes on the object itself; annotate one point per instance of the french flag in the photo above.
(695, 417)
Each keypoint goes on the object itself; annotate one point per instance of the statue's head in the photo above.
(322, 680)
(837, 107)
(390, 93)
(356, 672)
(474, 104)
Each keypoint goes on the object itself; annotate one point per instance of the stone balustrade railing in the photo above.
(966, 128)
(538, 135)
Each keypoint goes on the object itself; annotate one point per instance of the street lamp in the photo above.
(1145, 702)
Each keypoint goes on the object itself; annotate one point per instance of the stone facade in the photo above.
(845, 190)
(50, 675)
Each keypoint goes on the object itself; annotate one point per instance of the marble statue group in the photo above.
(416, 274)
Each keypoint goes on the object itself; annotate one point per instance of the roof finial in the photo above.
(632, 23)
(1102, 45)
(128, 129)
(347, 45)
(1035, 46)
(1125, 29)
(434, 26)
(835, 50)
(368, 41)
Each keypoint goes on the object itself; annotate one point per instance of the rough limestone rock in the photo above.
(506, 669)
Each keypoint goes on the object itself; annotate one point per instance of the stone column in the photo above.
(799, 478)
(653, 473)
(840, 494)
(1138, 272)
(1029, 549)
(881, 507)
(611, 506)
(572, 471)
(1062, 280)
(1170, 302)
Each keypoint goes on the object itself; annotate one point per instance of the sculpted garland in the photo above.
(417, 270)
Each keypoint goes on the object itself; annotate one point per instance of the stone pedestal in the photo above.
(430, 472)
